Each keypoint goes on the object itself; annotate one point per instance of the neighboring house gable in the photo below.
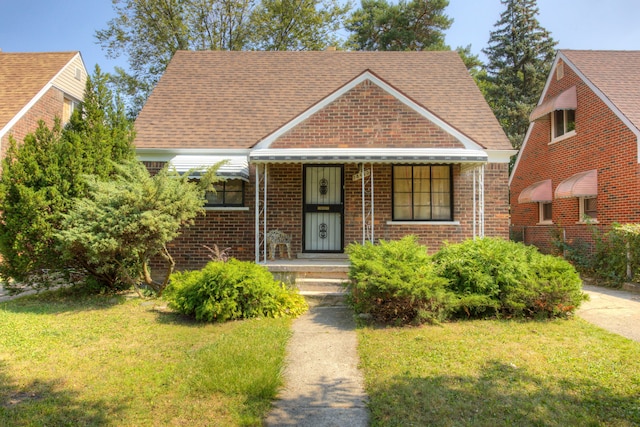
(583, 142)
(37, 86)
(330, 148)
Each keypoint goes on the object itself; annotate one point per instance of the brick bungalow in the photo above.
(579, 163)
(37, 86)
(330, 148)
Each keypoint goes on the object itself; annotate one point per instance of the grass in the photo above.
(69, 360)
(488, 373)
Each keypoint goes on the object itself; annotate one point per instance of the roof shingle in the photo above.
(23, 75)
(615, 73)
(235, 99)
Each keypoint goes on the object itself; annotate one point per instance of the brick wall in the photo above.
(601, 142)
(366, 116)
(47, 108)
(235, 229)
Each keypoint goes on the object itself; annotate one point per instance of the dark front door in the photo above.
(323, 209)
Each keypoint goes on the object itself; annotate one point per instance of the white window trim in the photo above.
(423, 222)
(541, 215)
(562, 137)
(226, 208)
(583, 219)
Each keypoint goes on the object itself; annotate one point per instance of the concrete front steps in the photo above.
(319, 278)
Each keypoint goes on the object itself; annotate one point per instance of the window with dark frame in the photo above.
(564, 121)
(422, 193)
(227, 193)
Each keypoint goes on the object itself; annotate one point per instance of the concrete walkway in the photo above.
(322, 384)
(615, 310)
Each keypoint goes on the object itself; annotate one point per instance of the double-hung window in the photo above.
(588, 209)
(546, 211)
(229, 193)
(564, 121)
(422, 193)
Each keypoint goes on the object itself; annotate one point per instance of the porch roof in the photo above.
(367, 155)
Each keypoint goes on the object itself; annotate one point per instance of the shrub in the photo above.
(395, 282)
(497, 277)
(230, 290)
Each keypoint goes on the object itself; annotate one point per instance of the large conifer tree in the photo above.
(520, 53)
(42, 175)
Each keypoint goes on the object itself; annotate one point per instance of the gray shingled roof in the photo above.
(23, 75)
(235, 99)
(615, 73)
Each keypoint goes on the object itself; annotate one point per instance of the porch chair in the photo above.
(276, 238)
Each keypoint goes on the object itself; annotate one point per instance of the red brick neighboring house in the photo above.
(330, 148)
(579, 163)
(37, 86)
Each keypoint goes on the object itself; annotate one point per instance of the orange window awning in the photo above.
(539, 192)
(567, 100)
(583, 184)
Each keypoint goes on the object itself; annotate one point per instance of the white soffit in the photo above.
(367, 155)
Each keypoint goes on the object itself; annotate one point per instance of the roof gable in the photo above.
(367, 112)
(24, 77)
(235, 100)
(614, 76)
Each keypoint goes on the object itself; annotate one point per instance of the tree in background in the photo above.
(520, 54)
(149, 32)
(297, 24)
(43, 174)
(407, 25)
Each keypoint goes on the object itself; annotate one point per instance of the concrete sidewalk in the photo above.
(615, 310)
(322, 384)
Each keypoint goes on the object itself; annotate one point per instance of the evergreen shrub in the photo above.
(231, 290)
(395, 281)
(495, 277)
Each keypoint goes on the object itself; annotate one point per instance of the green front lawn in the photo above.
(67, 360)
(498, 373)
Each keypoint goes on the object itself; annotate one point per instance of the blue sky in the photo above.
(54, 25)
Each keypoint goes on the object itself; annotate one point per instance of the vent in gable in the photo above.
(78, 74)
(560, 71)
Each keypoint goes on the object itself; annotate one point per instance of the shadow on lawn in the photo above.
(48, 403)
(502, 395)
(62, 300)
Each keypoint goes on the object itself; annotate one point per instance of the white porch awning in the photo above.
(368, 155)
(567, 100)
(236, 167)
(583, 184)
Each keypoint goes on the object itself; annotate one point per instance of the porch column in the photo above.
(478, 201)
(261, 214)
(367, 203)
